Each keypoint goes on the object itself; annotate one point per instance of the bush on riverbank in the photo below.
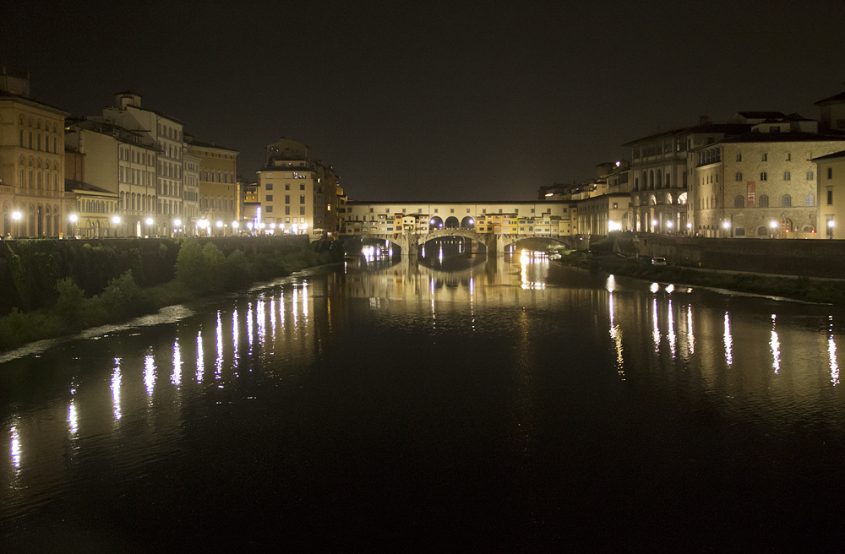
(199, 268)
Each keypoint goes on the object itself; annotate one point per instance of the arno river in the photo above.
(510, 405)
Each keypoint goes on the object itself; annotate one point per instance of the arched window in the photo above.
(682, 199)
(668, 199)
(763, 202)
(739, 201)
(786, 201)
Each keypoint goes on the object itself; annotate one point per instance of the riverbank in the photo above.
(199, 268)
(807, 289)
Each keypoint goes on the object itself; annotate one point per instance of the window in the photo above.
(787, 176)
(830, 173)
(268, 197)
(786, 201)
(764, 157)
(287, 200)
(302, 199)
(268, 186)
(810, 199)
(269, 209)
(789, 156)
(287, 186)
(763, 202)
(287, 210)
(302, 186)
(302, 210)
(764, 176)
(829, 196)
(739, 156)
(810, 176)
(615, 205)
(739, 201)
(738, 176)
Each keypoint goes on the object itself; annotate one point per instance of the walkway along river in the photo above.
(507, 404)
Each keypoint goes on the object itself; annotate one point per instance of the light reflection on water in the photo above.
(536, 322)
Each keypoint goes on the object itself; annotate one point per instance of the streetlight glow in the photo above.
(149, 221)
(116, 219)
(177, 222)
(17, 215)
(726, 224)
(73, 218)
(773, 224)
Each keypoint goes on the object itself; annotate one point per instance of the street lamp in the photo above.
(726, 225)
(73, 219)
(653, 225)
(115, 219)
(830, 225)
(773, 225)
(149, 222)
(669, 225)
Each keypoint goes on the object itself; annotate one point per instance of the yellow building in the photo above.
(219, 191)
(286, 189)
(760, 184)
(831, 194)
(31, 162)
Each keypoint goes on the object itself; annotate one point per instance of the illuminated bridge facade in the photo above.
(496, 225)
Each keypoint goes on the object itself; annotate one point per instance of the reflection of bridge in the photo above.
(410, 242)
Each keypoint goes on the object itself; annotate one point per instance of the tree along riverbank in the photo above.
(806, 289)
(61, 287)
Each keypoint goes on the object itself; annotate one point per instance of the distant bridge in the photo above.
(409, 242)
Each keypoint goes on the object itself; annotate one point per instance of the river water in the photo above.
(511, 404)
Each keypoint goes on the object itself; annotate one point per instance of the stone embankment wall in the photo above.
(805, 258)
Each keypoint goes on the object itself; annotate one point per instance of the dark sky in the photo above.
(433, 100)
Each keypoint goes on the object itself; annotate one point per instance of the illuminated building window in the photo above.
(764, 176)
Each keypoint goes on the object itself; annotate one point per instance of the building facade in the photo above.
(830, 171)
(32, 192)
(760, 184)
(168, 135)
(219, 188)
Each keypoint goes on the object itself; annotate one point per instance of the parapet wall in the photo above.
(806, 258)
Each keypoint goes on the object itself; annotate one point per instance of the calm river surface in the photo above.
(510, 405)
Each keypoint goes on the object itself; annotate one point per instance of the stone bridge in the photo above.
(409, 243)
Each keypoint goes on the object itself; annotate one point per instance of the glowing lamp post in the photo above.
(235, 226)
(202, 225)
(726, 225)
(149, 222)
(773, 228)
(17, 216)
(830, 225)
(116, 220)
(73, 219)
(177, 225)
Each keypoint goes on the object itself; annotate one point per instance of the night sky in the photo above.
(432, 100)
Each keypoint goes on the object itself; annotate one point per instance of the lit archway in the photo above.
(468, 223)
(452, 222)
(435, 223)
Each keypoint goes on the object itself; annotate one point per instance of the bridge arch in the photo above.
(508, 243)
(468, 223)
(452, 222)
(435, 223)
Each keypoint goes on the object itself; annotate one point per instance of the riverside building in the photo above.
(31, 162)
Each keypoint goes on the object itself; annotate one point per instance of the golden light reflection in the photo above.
(295, 306)
(250, 329)
(774, 344)
(281, 308)
(236, 330)
(728, 340)
(673, 343)
(655, 331)
(176, 376)
(218, 361)
(15, 448)
(610, 285)
(690, 333)
(116, 379)
(831, 353)
(72, 418)
(654, 288)
(200, 358)
(616, 337)
(525, 263)
(305, 299)
(273, 318)
(260, 320)
(149, 374)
